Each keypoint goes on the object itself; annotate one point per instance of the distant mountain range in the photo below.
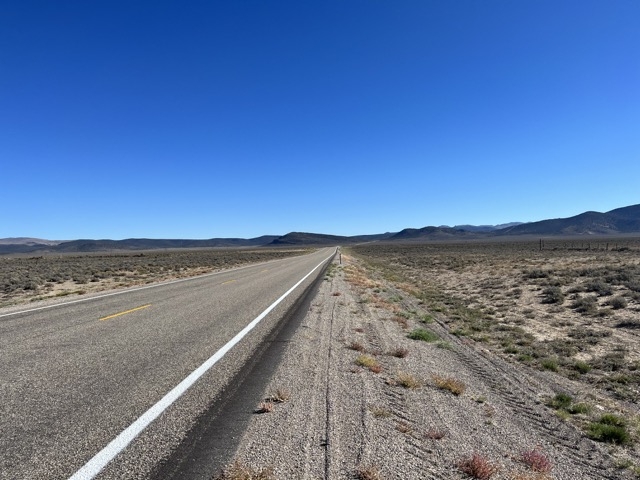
(27, 241)
(19, 245)
(621, 221)
(485, 228)
(300, 238)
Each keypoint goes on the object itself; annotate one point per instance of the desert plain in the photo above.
(480, 359)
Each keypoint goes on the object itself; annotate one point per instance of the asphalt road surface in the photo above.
(75, 376)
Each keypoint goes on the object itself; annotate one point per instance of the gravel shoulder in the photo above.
(362, 400)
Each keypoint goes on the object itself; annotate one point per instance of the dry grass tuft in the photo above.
(281, 395)
(401, 321)
(404, 427)
(368, 473)
(369, 362)
(264, 407)
(357, 346)
(489, 410)
(450, 384)
(435, 434)
(357, 277)
(536, 460)
(407, 380)
(399, 352)
(238, 471)
(379, 412)
(477, 466)
(375, 368)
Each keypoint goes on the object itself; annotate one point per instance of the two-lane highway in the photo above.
(75, 376)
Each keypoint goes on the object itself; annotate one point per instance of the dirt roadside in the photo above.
(356, 398)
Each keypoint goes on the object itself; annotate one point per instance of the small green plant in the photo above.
(579, 408)
(602, 289)
(612, 419)
(561, 401)
(582, 367)
(444, 345)
(550, 364)
(618, 303)
(626, 463)
(461, 332)
(609, 428)
(536, 273)
(510, 348)
(427, 318)
(553, 295)
(423, 335)
(586, 305)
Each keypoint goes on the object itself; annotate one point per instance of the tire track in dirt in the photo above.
(517, 392)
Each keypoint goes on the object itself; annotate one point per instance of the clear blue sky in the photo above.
(204, 119)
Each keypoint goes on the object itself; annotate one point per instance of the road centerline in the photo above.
(125, 312)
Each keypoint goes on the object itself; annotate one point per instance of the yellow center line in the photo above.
(125, 312)
(265, 270)
(228, 281)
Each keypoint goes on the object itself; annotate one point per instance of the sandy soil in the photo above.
(347, 415)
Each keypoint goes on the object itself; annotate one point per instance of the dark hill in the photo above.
(304, 238)
(619, 221)
(27, 241)
(87, 246)
(21, 248)
(150, 244)
(485, 228)
(431, 233)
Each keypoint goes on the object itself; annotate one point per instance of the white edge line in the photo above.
(108, 453)
(135, 289)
